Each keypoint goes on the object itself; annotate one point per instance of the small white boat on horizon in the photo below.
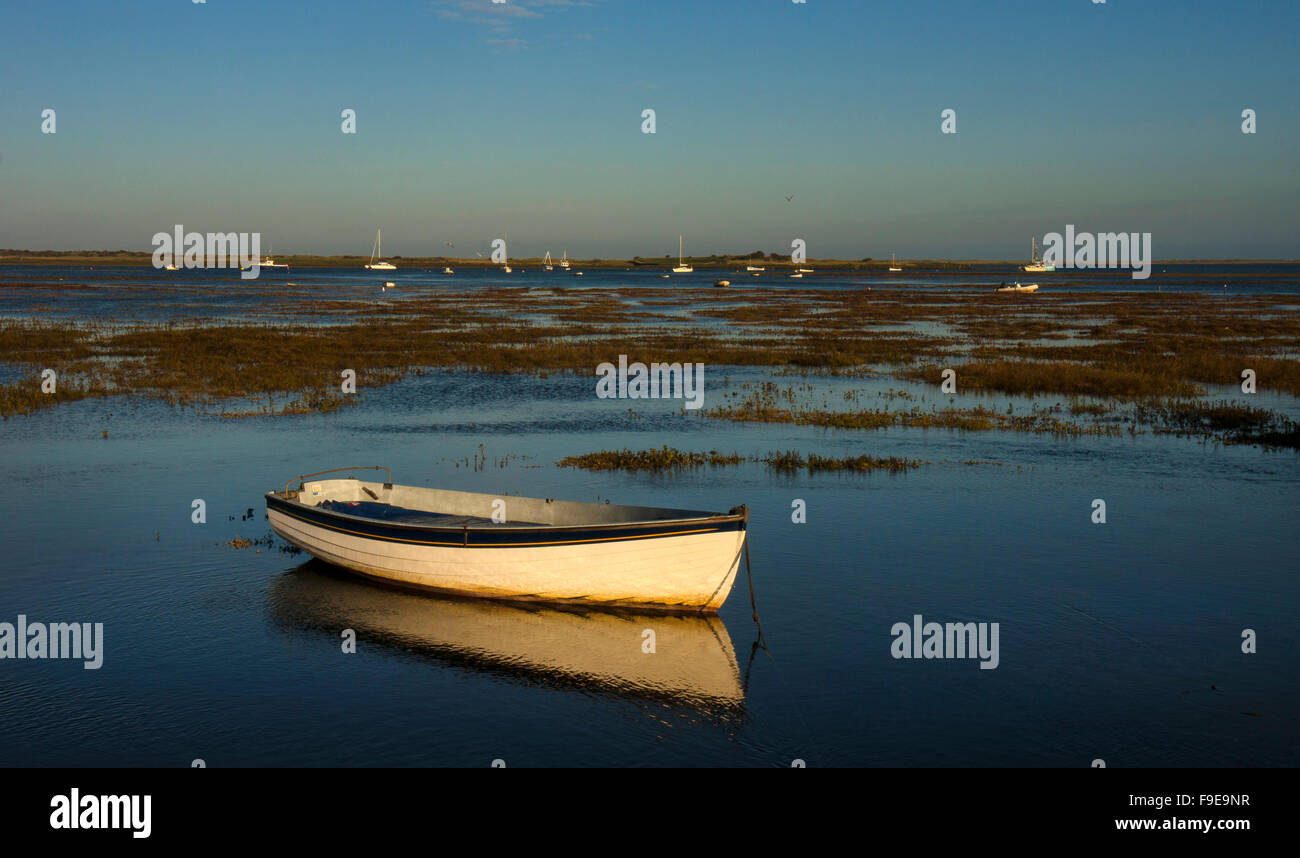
(267, 262)
(682, 267)
(755, 268)
(376, 253)
(1036, 264)
(564, 263)
(516, 548)
(893, 264)
(548, 265)
(448, 270)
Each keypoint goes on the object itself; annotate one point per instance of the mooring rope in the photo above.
(790, 696)
(753, 604)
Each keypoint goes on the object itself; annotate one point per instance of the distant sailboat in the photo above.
(1035, 265)
(682, 267)
(893, 264)
(448, 270)
(754, 268)
(547, 262)
(376, 253)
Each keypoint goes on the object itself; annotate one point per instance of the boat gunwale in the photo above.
(704, 518)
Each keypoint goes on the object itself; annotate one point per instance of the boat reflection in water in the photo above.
(693, 663)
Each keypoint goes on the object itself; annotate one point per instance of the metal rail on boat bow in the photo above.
(387, 482)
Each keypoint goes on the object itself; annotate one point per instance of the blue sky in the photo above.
(477, 119)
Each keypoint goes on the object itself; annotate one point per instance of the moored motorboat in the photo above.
(511, 547)
(721, 283)
(1029, 287)
(267, 262)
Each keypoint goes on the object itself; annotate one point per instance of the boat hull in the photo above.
(685, 565)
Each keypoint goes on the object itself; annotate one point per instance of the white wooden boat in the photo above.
(893, 264)
(694, 662)
(1030, 287)
(448, 270)
(721, 284)
(376, 262)
(796, 275)
(755, 268)
(682, 267)
(543, 550)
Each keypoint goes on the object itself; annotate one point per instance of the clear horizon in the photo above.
(477, 120)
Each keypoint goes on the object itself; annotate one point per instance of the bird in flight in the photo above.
(787, 199)
(449, 244)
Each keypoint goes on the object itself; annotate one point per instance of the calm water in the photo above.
(132, 293)
(1118, 641)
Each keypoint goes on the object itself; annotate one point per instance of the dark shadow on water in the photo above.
(693, 667)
